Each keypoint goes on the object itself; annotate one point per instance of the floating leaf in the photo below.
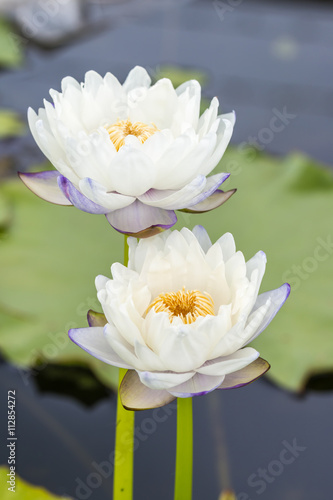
(11, 44)
(11, 124)
(49, 261)
(179, 75)
(285, 207)
(23, 490)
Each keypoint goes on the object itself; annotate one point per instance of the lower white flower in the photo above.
(180, 316)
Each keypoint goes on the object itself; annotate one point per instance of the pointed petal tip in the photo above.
(246, 375)
(45, 186)
(215, 200)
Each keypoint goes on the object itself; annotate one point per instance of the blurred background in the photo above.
(271, 62)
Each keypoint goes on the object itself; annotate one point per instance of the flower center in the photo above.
(122, 128)
(187, 305)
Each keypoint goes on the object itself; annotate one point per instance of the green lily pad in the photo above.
(11, 45)
(179, 74)
(11, 124)
(285, 207)
(49, 260)
(23, 490)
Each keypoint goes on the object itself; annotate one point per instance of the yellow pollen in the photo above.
(187, 305)
(122, 128)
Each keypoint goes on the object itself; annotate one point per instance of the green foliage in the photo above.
(11, 53)
(179, 75)
(10, 124)
(49, 259)
(23, 490)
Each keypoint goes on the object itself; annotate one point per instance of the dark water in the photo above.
(259, 57)
(274, 445)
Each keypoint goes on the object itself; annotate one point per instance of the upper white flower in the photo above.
(181, 313)
(135, 152)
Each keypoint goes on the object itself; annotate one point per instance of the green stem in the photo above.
(124, 447)
(184, 453)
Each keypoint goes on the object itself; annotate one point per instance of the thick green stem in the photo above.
(124, 447)
(184, 453)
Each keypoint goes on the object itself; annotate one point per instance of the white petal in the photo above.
(228, 364)
(224, 134)
(203, 237)
(197, 386)
(208, 118)
(163, 380)
(137, 77)
(92, 82)
(119, 345)
(183, 348)
(132, 172)
(92, 340)
(174, 200)
(149, 359)
(275, 299)
(189, 94)
(156, 106)
(100, 282)
(227, 244)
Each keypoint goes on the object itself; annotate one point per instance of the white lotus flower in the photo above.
(180, 316)
(133, 152)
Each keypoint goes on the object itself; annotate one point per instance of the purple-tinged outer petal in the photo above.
(197, 386)
(135, 395)
(45, 185)
(245, 375)
(98, 194)
(78, 199)
(140, 220)
(96, 318)
(278, 298)
(215, 200)
(212, 184)
(93, 341)
(173, 199)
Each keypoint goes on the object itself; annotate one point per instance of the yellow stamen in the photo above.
(187, 305)
(122, 128)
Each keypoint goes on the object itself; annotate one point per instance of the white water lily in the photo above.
(179, 317)
(135, 152)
